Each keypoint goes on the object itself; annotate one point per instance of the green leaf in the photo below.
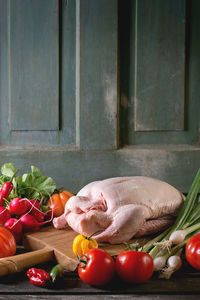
(8, 169)
(19, 180)
(31, 185)
(27, 179)
(44, 185)
(35, 171)
(3, 179)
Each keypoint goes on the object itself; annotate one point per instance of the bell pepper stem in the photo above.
(89, 237)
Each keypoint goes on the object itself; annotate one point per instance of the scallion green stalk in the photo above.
(186, 216)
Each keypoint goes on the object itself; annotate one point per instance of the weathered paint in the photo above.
(162, 123)
(84, 147)
(73, 169)
(98, 63)
(33, 65)
(160, 67)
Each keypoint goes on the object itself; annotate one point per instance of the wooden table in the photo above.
(185, 284)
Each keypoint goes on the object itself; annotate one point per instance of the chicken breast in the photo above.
(121, 207)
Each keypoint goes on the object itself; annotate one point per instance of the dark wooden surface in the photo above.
(185, 284)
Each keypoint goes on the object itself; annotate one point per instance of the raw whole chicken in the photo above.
(121, 207)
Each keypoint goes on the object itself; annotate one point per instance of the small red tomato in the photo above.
(192, 251)
(98, 269)
(134, 266)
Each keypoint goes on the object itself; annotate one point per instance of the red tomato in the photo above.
(99, 267)
(7, 243)
(192, 251)
(134, 266)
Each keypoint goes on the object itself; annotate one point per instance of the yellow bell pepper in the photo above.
(82, 243)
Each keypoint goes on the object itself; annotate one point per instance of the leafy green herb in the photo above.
(34, 185)
(31, 185)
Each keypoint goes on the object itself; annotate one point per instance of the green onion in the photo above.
(187, 222)
(188, 203)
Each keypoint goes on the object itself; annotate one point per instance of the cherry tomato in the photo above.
(134, 266)
(192, 251)
(98, 269)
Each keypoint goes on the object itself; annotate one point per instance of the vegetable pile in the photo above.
(31, 200)
(40, 277)
(31, 185)
(163, 253)
(166, 248)
(28, 201)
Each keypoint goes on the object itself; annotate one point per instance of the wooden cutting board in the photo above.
(50, 244)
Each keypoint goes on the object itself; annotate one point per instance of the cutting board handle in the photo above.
(13, 264)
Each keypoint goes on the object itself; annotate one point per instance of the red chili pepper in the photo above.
(5, 191)
(38, 277)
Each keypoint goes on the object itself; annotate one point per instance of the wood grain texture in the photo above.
(34, 65)
(47, 244)
(183, 285)
(17, 263)
(98, 296)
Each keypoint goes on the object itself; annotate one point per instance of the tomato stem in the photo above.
(82, 261)
(133, 246)
(89, 237)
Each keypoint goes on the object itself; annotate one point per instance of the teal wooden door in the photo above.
(94, 89)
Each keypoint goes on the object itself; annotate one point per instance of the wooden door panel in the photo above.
(33, 61)
(38, 105)
(118, 106)
(160, 66)
(98, 74)
(158, 102)
(60, 78)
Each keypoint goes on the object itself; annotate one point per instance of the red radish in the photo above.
(34, 210)
(5, 191)
(30, 223)
(15, 227)
(4, 215)
(18, 206)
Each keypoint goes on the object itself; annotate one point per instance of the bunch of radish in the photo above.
(22, 215)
